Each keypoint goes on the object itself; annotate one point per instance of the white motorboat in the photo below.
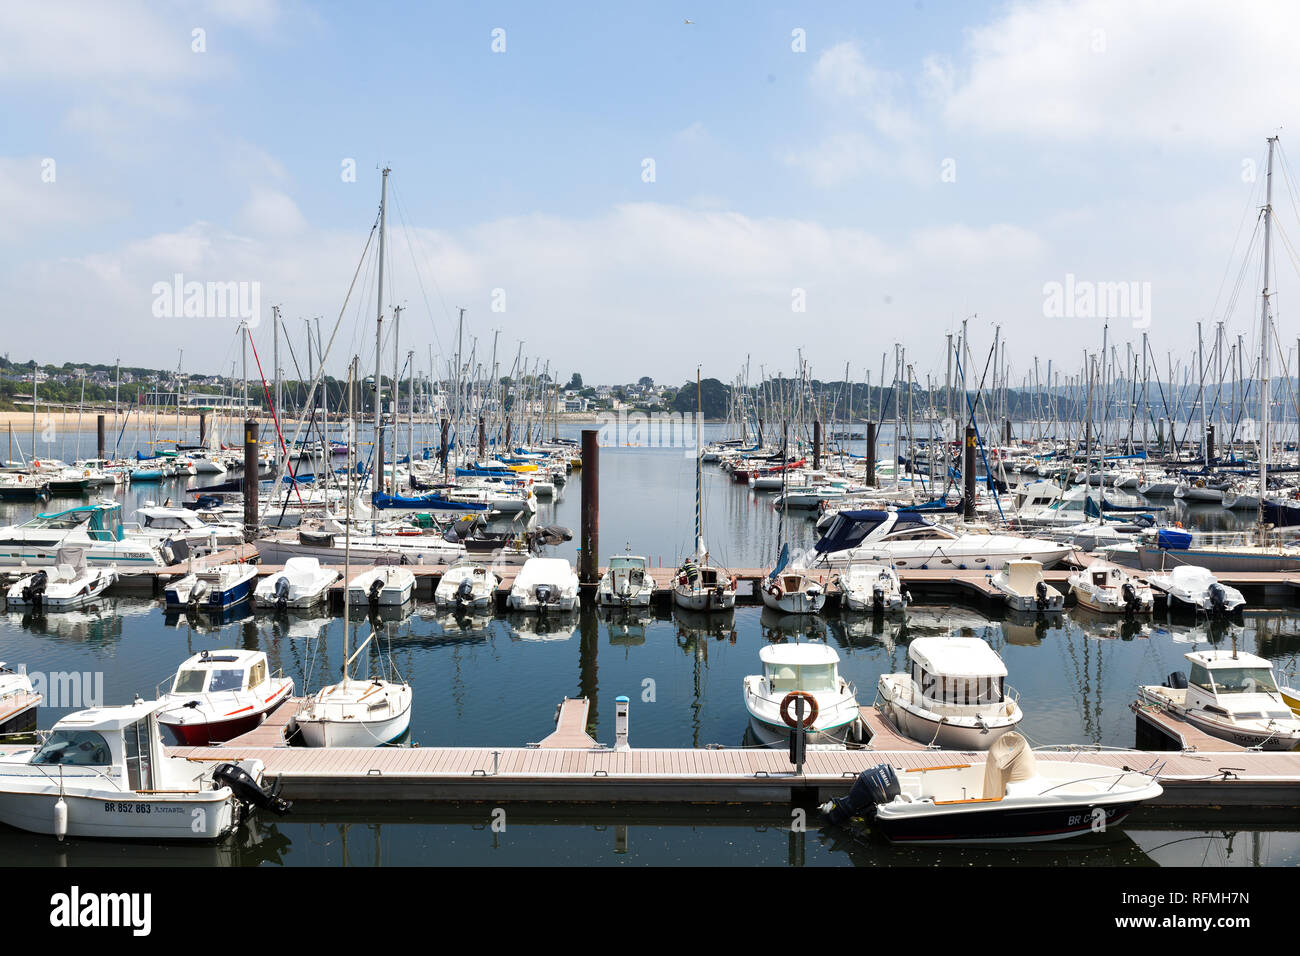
(217, 588)
(301, 583)
(1230, 695)
(467, 586)
(625, 583)
(1023, 586)
(104, 773)
(1009, 798)
(218, 695)
(954, 698)
(387, 585)
(870, 587)
(65, 587)
(544, 584)
(18, 701)
(911, 540)
(163, 523)
(808, 670)
(1190, 587)
(1110, 589)
(96, 528)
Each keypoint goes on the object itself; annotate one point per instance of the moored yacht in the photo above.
(467, 586)
(301, 583)
(544, 584)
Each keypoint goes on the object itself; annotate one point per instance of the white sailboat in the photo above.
(698, 585)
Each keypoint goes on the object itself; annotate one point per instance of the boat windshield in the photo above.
(226, 680)
(806, 677)
(189, 682)
(76, 748)
(1244, 680)
(59, 522)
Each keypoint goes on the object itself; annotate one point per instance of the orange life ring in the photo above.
(789, 699)
(774, 589)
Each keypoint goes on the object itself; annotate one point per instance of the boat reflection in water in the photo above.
(626, 625)
(1110, 626)
(551, 626)
(259, 841)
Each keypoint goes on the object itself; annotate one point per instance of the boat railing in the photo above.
(948, 708)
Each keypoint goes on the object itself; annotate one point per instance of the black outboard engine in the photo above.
(281, 593)
(248, 791)
(873, 787)
(1041, 593)
(877, 598)
(34, 591)
(545, 595)
(1177, 680)
(372, 593)
(1130, 595)
(1218, 599)
(465, 591)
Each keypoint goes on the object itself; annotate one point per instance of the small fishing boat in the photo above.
(302, 583)
(625, 583)
(18, 701)
(1230, 695)
(382, 586)
(105, 773)
(1021, 582)
(807, 670)
(544, 584)
(870, 587)
(218, 695)
(1009, 798)
(467, 586)
(954, 698)
(1196, 589)
(65, 587)
(1109, 589)
(217, 588)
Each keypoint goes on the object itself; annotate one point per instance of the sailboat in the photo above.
(356, 713)
(698, 585)
(789, 590)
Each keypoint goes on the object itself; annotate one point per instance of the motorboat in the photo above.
(954, 698)
(1110, 589)
(96, 528)
(807, 670)
(104, 772)
(65, 587)
(626, 583)
(1230, 695)
(909, 539)
(18, 701)
(1012, 797)
(386, 585)
(217, 588)
(467, 586)
(1196, 589)
(867, 586)
(163, 523)
(544, 584)
(1022, 584)
(301, 583)
(218, 695)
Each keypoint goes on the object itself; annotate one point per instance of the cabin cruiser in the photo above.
(809, 670)
(1011, 797)
(870, 587)
(1229, 695)
(1197, 589)
(97, 529)
(65, 587)
(955, 697)
(1110, 589)
(385, 585)
(908, 539)
(104, 773)
(218, 695)
(18, 701)
(163, 523)
(1025, 589)
(217, 588)
(467, 586)
(301, 583)
(544, 584)
(625, 583)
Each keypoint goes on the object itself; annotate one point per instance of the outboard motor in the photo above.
(34, 592)
(197, 593)
(465, 591)
(1041, 594)
(877, 598)
(545, 594)
(1218, 599)
(248, 791)
(1177, 680)
(1130, 595)
(372, 593)
(281, 593)
(874, 786)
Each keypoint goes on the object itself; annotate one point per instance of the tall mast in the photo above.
(699, 502)
(1264, 329)
(377, 466)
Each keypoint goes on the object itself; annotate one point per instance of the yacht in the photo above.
(1196, 589)
(218, 695)
(809, 670)
(1229, 695)
(95, 528)
(467, 586)
(217, 588)
(793, 592)
(955, 697)
(382, 586)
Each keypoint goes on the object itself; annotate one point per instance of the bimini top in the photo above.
(956, 657)
(798, 655)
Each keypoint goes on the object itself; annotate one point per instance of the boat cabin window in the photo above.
(808, 677)
(75, 748)
(73, 519)
(257, 675)
(957, 690)
(139, 768)
(226, 680)
(1099, 578)
(189, 682)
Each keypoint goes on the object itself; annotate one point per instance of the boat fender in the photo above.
(1177, 680)
(60, 818)
(248, 791)
(788, 701)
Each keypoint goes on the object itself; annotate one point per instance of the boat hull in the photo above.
(1011, 824)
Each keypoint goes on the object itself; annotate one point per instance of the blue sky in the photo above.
(1104, 140)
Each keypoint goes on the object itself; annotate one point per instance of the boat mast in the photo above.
(377, 466)
(1265, 387)
(699, 503)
